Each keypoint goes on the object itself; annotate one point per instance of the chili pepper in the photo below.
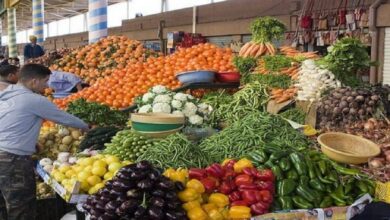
(209, 183)
(298, 163)
(196, 173)
(333, 176)
(266, 196)
(247, 186)
(209, 206)
(265, 185)
(304, 180)
(234, 196)
(250, 197)
(277, 172)
(301, 203)
(348, 187)
(322, 179)
(219, 199)
(285, 202)
(306, 193)
(241, 164)
(322, 165)
(215, 170)
(344, 170)
(239, 212)
(310, 168)
(258, 208)
(285, 164)
(337, 197)
(362, 187)
(214, 214)
(266, 175)
(326, 202)
(243, 179)
(229, 164)
(316, 184)
(196, 185)
(191, 205)
(197, 213)
(286, 186)
(239, 203)
(292, 174)
(188, 195)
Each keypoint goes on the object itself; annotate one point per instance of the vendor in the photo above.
(33, 50)
(63, 82)
(8, 75)
(22, 111)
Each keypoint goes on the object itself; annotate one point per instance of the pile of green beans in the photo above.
(255, 130)
(294, 114)
(174, 151)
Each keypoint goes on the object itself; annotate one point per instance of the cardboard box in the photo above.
(310, 109)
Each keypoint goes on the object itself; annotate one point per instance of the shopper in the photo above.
(22, 110)
(14, 61)
(3, 60)
(33, 50)
(8, 75)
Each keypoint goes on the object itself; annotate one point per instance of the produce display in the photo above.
(347, 105)
(97, 114)
(138, 191)
(120, 89)
(96, 138)
(310, 180)
(100, 59)
(160, 99)
(127, 145)
(296, 54)
(313, 81)
(49, 58)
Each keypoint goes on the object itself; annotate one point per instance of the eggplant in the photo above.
(108, 216)
(170, 195)
(138, 175)
(111, 206)
(145, 184)
(104, 192)
(114, 193)
(179, 186)
(134, 194)
(108, 184)
(155, 213)
(157, 202)
(92, 217)
(123, 175)
(154, 174)
(96, 212)
(173, 204)
(101, 205)
(130, 205)
(120, 212)
(158, 193)
(141, 211)
(166, 185)
(120, 186)
(144, 165)
(105, 198)
(122, 198)
(87, 207)
(175, 215)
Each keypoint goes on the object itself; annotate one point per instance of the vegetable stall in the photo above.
(222, 154)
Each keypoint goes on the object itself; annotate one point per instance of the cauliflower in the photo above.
(189, 109)
(196, 120)
(145, 109)
(176, 104)
(180, 96)
(162, 99)
(147, 97)
(178, 113)
(190, 97)
(159, 89)
(161, 108)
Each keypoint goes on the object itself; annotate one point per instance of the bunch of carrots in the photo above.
(252, 49)
(282, 95)
(294, 53)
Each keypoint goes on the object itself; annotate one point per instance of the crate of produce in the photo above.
(72, 196)
(382, 191)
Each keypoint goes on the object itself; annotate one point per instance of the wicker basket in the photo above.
(346, 148)
(382, 191)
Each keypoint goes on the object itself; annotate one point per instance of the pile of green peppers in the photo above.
(306, 180)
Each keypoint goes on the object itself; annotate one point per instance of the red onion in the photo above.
(368, 126)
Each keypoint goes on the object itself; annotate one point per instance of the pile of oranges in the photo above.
(121, 88)
(102, 58)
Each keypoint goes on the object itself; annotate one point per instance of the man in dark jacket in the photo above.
(33, 50)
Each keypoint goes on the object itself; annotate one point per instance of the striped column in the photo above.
(97, 27)
(12, 49)
(38, 19)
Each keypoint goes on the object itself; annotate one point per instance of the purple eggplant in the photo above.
(154, 174)
(122, 198)
(134, 194)
(96, 212)
(140, 212)
(175, 215)
(108, 216)
(130, 205)
(144, 165)
(114, 193)
(112, 206)
(145, 184)
(158, 193)
(155, 213)
(179, 186)
(173, 204)
(166, 185)
(104, 192)
(170, 195)
(157, 202)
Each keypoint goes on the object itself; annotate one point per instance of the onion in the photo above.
(369, 126)
(375, 163)
(387, 153)
(374, 121)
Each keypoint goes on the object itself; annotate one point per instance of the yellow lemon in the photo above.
(93, 180)
(64, 168)
(84, 186)
(114, 166)
(92, 191)
(70, 173)
(78, 169)
(87, 161)
(83, 175)
(98, 156)
(99, 163)
(99, 171)
(65, 182)
(108, 175)
(59, 177)
(126, 162)
(111, 159)
(99, 186)
(88, 168)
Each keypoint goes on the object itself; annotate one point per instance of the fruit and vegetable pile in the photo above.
(254, 163)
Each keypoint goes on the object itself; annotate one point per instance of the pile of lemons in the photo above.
(90, 172)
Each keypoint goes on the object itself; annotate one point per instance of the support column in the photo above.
(97, 27)
(11, 17)
(38, 19)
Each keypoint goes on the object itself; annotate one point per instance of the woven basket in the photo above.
(346, 148)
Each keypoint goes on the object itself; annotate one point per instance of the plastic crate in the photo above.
(382, 191)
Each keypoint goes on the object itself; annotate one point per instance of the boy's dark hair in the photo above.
(6, 70)
(16, 59)
(34, 71)
(2, 56)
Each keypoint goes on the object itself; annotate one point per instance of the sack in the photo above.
(332, 19)
(341, 20)
(363, 19)
(306, 22)
(306, 17)
(323, 23)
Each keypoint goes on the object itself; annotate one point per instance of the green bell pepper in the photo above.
(285, 164)
(298, 163)
(286, 187)
(292, 174)
(316, 184)
(306, 193)
(326, 202)
(301, 203)
(277, 172)
(285, 202)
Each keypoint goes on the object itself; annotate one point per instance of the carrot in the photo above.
(244, 48)
(282, 99)
(261, 50)
(254, 50)
(248, 51)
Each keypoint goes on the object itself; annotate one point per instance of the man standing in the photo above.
(22, 110)
(8, 75)
(33, 50)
